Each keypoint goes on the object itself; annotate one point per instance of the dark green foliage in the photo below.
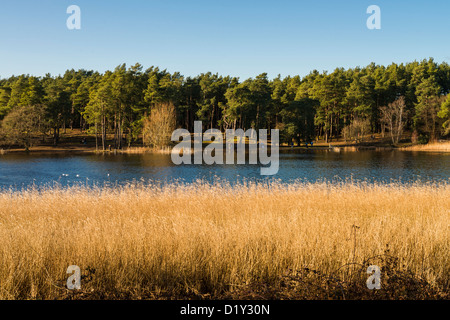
(319, 105)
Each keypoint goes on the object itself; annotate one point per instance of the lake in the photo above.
(23, 170)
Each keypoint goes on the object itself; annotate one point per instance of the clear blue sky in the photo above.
(238, 38)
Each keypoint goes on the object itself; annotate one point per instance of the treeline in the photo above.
(345, 103)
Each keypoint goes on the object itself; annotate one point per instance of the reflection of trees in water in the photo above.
(21, 169)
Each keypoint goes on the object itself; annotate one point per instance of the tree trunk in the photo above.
(104, 133)
(55, 136)
(120, 133)
(96, 136)
(331, 127)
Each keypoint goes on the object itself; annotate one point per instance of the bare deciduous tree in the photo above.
(22, 124)
(356, 130)
(394, 117)
(159, 125)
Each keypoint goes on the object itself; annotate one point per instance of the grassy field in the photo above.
(200, 241)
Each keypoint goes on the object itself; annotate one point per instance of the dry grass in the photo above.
(217, 241)
(438, 146)
(138, 150)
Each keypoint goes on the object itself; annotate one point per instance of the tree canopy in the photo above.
(318, 105)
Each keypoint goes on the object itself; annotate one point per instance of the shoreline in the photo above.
(336, 146)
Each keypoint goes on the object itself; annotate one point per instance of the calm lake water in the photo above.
(21, 170)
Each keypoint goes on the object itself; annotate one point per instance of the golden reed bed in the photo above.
(266, 241)
(434, 147)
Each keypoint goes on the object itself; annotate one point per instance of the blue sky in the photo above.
(237, 38)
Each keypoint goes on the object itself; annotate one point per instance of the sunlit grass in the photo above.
(438, 146)
(202, 240)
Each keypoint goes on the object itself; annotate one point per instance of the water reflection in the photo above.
(21, 170)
